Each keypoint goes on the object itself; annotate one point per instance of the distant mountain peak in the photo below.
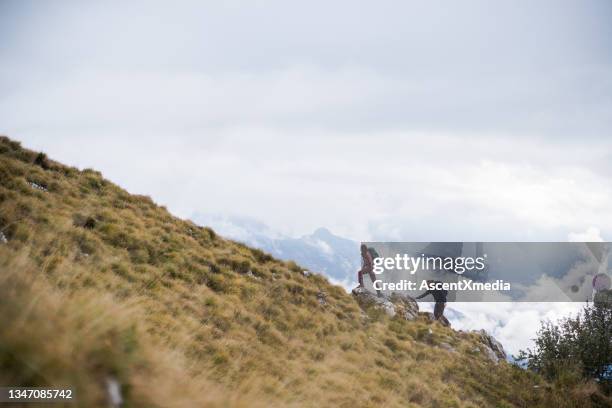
(322, 233)
(322, 251)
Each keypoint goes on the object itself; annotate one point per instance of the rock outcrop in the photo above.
(408, 309)
(394, 305)
(492, 348)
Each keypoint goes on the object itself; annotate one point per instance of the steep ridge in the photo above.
(99, 286)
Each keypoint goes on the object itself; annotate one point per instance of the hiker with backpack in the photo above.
(439, 296)
(367, 266)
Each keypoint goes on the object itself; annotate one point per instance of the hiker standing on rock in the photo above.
(367, 266)
(439, 296)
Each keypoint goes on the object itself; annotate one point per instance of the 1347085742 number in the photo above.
(38, 394)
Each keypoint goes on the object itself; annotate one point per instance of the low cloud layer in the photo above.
(513, 324)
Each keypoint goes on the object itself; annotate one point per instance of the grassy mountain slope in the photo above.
(97, 283)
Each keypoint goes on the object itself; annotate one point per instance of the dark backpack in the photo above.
(373, 253)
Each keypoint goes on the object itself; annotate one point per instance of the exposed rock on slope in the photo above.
(492, 348)
(408, 309)
(404, 306)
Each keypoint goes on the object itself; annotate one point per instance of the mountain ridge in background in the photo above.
(322, 251)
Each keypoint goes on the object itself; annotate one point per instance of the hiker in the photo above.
(440, 298)
(367, 266)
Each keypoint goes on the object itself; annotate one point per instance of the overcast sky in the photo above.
(378, 120)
